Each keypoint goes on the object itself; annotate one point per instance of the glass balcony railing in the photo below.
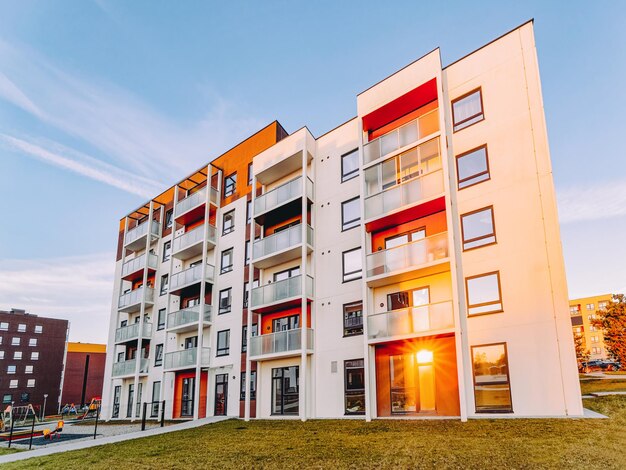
(191, 275)
(409, 321)
(280, 342)
(401, 137)
(281, 194)
(281, 290)
(123, 368)
(281, 241)
(192, 237)
(142, 229)
(188, 316)
(131, 332)
(135, 297)
(139, 263)
(195, 199)
(412, 254)
(186, 358)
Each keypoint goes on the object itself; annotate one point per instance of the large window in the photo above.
(353, 319)
(472, 167)
(223, 343)
(169, 218)
(164, 284)
(161, 315)
(467, 110)
(226, 299)
(285, 390)
(352, 265)
(350, 165)
(227, 261)
(478, 228)
(228, 224)
(230, 184)
(4, 326)
(483, 294)
(248, 212)
(242, 394)
(167, 250)
(350, 214)
(250, 174)
(244, 336)
(492, 390)
(158, 355)
(354, 387)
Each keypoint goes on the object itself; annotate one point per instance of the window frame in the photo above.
(346, 330)
(158, 359)
(500, 301)
(358, 219)
(231, 228)
(167, 251)
(458, 175)
(169, 218)
(508, 377)
(482, 109)
(343, 266)
(482, 237)
(345, 386)
(229, 268)
(161, 326)
(220, 352)
(229, 291)
(164, 284)
(227, 190)
(354, 173)
(250, 174)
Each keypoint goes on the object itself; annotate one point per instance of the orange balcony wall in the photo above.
(267, 319)
(433, 224)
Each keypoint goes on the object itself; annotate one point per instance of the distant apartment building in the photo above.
(406, 263)
(32, 351)
(582, 312)
(84, 373)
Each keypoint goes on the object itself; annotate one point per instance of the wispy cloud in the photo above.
(78, 289)
(592, 202)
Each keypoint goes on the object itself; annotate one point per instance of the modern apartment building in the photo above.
(582, 311)
(32, 353)
(406, 263)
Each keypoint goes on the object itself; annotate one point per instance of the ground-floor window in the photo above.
(138, 405)
(412, 378)
(131, 398)
(188, 391)
(285, 390)
(492, 389)
(354, 387)
(156, 398)
(116, 401)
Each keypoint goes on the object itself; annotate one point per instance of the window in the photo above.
(593, 328)
(472, 167)
(286, 274)
(164, 284)
(223, 343)
(350, 165)
(227, 261)
(21, 328)
(158, 355)
(169, 218)
(255, 283)
(228, 224)
(590, 306)
(353, 319)
(38, 329)
(230, 184)
(247, 249)
(32, 342)
(13, 383)
(242, 394)
(4, 326)
(24, 397)
(30, 383)
(350, 214)
(156, 398)
(15, 341)
(1, 354)
(167, 250)
(354, 387)
(594, 339)
(250, 174)
(7, 399)
(161, 318)
(248, 212)
(467, 110)
(596, 350)
(28, 370)
(285, 390)
(225, 300)
(603, 304)
(483, 294)
(17, 355)
(352, 264)
(591, 317)
(0, 339)
(244, 336)
(574, 310)
(478, 228)
(34, 356)
(492, 391)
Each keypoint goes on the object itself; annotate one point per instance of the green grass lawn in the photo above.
(337, 444)
(4, 450)
(602, 385)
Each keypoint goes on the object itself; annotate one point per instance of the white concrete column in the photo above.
(252, 229)
(303, 271)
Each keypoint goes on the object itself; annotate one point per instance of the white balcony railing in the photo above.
(135, 297)
(191, 275)
(195, 199)
(123, 368)
(138, 263)
(186, 358)
(192, 237)
(188, 316)
(281, 241)
(412, 254)
(140, 230)
(401, 137)
(411, 321)
(281, 194)
(279, 342)
(131, 332)
(281, 290)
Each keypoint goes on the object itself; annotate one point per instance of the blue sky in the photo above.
(105, 103)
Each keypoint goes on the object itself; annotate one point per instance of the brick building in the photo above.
(84, 372)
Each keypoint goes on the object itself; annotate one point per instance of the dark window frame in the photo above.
(230, 184)
(242, 392)
(482, 237)
(354, 173)
(483, 304)
(230, 229)
(477, 175)
(244, 336)
(229, 308)
(508, 377)
(349, 330)
(158, 361)
(225, 351)
(169, 218)
(343, 266)
(346, 222)
(164, 284)
(250, 174)
(345, 386)
(167, 255)
(228, 268)
(482, 110)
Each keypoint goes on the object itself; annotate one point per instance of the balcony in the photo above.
(191, 276)
(401, 137)
(135, 238)
(281, 293)
(190, 205)
(187, 319)
(131, 332)
(127, 368)
(281, 247)
(186, 359)
(425, 320)
(131, 301)
(395, 263)
(136, 265)
(189, 244)
(288, 192)
(280, 344)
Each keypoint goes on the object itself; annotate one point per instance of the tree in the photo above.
(612, 321)
(582, 354)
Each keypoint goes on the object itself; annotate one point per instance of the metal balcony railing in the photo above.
(190, 276)
(138, 263)
(279, 342)
(131, 332)
(141, 230)
(281, 290)
(409, 321)
(188, 316)
(123, 368)
(135, 296)
(281, 194)
(280, 241)
(186, 358)
(195, 199)
(192, 237)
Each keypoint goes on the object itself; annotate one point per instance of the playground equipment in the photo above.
(18, 415)
(92, 409)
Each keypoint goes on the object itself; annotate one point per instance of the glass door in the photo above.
(187, 397)
(285, 390)
(221, 394)
(131, 398)
(402, 374)
(116, 401)
(191, 342)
